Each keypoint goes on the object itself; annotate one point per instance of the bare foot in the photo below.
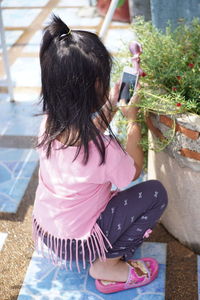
(110, 270)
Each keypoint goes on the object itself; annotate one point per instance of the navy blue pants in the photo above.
(126, 218)
(130, 214)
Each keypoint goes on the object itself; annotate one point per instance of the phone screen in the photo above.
(128, 85)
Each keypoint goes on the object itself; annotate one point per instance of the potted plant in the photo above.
(170, 108)
(121, 14)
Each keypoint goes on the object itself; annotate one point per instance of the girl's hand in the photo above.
(130, 110)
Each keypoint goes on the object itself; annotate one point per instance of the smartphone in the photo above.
(128, 83)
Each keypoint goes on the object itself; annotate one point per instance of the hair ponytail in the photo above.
(54, 30)
(58, 27)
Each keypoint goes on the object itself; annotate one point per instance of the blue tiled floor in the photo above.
(3, 237)
(18, 118)
(198, 274)
(16, 169)
(72, 18)
(73, 3)
(21, 96)
(25, 72)
(11, 37)
(34, 43)
(19, 17)
(21, 3)
(4, 97)
(47, 282)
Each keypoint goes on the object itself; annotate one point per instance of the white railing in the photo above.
(108, 18)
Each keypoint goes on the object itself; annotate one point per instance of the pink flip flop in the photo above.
(141, 272)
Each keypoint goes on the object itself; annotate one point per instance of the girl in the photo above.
(75, 213)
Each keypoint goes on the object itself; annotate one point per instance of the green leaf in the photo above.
(120, 3)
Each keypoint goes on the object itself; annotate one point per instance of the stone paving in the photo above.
(27, 275)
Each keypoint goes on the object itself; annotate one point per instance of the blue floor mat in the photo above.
(43, 281)
(18, 118)
(16, 169)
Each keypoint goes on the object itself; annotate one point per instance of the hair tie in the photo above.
(64, 34)
(69, 32)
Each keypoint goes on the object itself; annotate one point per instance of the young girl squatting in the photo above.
(75, 212)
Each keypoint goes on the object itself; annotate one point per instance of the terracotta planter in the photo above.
(178, 168)
(121, 13)
(185, 144)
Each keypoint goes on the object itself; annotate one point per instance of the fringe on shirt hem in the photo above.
(95, 243)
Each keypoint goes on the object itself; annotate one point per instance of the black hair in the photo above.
(72, 62)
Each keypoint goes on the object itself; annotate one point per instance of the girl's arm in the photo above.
(133, 147)
(130, 111)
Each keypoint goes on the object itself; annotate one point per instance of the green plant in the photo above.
(171, 62)
(120, 3)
